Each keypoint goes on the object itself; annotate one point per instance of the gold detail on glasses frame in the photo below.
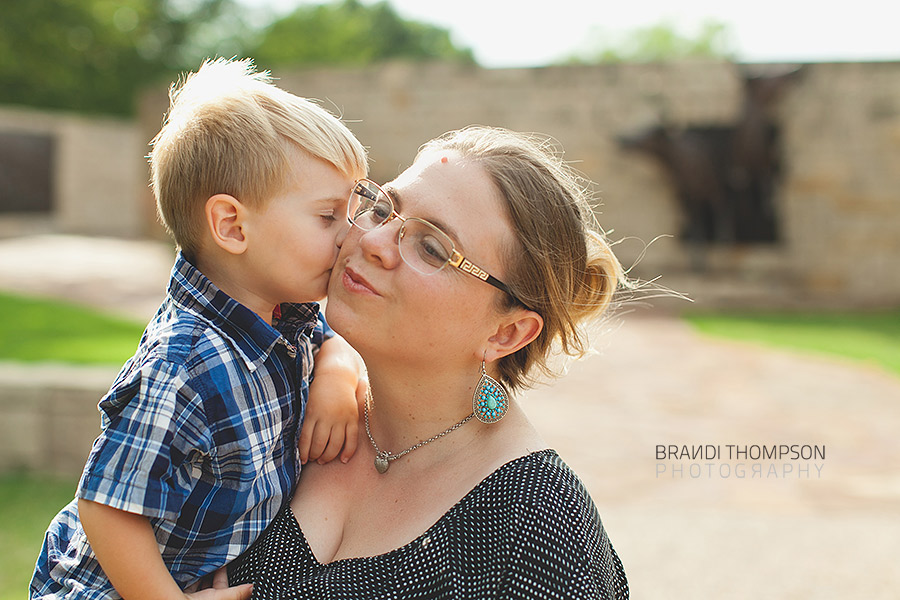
(463, 264)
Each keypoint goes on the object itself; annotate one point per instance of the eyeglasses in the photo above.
(423, 246)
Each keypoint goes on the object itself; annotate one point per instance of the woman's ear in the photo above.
(515, 332)
(225, 218)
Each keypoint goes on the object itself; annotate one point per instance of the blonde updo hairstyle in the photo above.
(562, 266)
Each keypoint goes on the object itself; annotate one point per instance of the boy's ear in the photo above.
(517, 331)
(225, 218)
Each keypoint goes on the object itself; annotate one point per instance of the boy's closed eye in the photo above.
(331, 210)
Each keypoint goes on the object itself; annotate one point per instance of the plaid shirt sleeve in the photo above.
(156, 427)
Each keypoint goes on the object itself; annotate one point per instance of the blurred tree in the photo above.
(351, 33)
(658, 43)
(92, 55)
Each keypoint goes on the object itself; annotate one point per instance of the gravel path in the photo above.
(711, 526)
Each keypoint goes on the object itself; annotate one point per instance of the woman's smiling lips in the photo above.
(355, 282)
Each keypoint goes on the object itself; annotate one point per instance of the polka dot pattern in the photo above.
(529, 530)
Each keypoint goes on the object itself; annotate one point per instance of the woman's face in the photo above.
(376, 300)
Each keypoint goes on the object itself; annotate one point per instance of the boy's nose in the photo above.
(343, 230)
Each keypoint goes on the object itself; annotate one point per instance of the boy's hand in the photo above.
(219, 589)
(238, 592)
(332, 417)
(332, 412)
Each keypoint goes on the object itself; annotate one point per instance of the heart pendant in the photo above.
(381, 464)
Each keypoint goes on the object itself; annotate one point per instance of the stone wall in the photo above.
(49, 415)
(97, 174)
(838, 202)
(842, 197)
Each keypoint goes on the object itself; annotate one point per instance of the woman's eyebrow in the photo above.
(394, 194)
(396, 198)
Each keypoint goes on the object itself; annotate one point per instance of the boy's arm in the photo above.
(126, 548)
(332, 412)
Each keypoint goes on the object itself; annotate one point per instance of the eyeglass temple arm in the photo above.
(361, 190)
(463, 264)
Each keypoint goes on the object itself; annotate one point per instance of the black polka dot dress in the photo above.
(529, 530)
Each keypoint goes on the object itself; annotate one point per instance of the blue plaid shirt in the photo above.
(199, 434)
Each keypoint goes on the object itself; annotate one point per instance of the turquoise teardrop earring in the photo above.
(491, 400)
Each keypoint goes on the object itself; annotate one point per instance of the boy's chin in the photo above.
(309, 294)
(319, 296)
(307, 299)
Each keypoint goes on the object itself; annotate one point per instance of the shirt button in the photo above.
(292, 352)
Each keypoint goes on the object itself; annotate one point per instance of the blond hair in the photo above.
(562, 266)
(229, 130)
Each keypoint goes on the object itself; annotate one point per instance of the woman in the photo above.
(453, 493)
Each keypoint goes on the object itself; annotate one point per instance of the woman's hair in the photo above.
(229, 130)
(561, 265)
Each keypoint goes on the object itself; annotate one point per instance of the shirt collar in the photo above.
(252, 337)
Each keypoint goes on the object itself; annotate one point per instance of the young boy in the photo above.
(199, 447)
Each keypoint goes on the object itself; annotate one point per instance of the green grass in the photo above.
(44, 330)
(872, 338)
(34, 329)
(27, 504)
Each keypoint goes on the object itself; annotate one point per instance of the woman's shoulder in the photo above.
(538, 486)
(535, 478)
(537, 512)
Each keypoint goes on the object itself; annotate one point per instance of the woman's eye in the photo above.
(432, 251)
(382, 210)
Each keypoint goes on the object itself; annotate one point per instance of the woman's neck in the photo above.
(408, 406)
(411, 402)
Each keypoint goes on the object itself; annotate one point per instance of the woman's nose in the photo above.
(381, 244)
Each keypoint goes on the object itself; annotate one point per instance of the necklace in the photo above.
(383, 458)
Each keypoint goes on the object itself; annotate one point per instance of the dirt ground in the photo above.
(725, 523)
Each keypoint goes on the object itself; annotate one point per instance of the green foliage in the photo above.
(27, 504)
(350, 33)
(867, 337)
(45, 330)
(94, 56)
(658, 43)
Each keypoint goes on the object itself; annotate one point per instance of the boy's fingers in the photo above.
(350, 442)
(306, 434)
(239, 592)
(335, 442)
(319, 441)
(220, 579)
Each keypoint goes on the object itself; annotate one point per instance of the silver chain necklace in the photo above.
(383, 458)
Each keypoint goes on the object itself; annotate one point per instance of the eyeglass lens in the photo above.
(422, 246)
